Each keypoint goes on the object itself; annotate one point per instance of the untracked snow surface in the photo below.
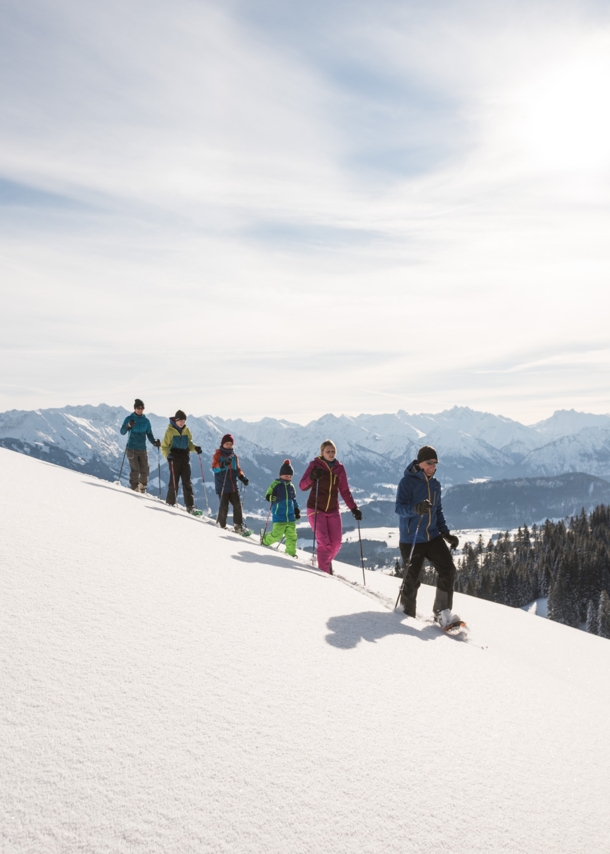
(167, 687)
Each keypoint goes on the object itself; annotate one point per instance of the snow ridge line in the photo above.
(378, 597)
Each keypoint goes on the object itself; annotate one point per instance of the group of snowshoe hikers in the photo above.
(424, 534)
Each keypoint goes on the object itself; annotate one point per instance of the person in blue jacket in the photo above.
(139, 429)
(418, 504)
(285, 510)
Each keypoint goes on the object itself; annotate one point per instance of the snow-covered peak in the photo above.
(586, 451)
(566, 422)
(495, 430)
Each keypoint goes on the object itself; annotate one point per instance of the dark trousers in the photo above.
(138, 467)
(233, 497)
(180, 466)
(437, 552)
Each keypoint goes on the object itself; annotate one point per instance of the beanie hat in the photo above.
(138, 403)
(180, 415)
(286, 468)
(427, 453)
(227, 438)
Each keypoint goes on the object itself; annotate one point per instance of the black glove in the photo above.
(316, 474)
(157, 443)
(357, 514)
(131, 423)
(243, 479)
(226, 464)
(197, 449)
(422, 507)
(452, 540)
(169, 458)
(297, 513)
(273, 499)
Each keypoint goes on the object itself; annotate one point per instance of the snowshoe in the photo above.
(240, 529)
(197, 512)
(447, 620)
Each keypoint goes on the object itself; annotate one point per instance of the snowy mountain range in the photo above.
(472, 445)
(170, 688)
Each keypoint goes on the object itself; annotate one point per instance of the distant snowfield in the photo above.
(167, 687)
(391, 535)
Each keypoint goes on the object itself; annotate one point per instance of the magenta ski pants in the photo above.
(328, 530)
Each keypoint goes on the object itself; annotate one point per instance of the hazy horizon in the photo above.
(304, 421)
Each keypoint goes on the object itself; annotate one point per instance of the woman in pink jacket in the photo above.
(326, 478)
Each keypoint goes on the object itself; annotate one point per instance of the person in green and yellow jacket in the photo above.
(176, 446)
(283, 499)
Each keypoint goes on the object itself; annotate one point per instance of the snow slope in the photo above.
(167, 687)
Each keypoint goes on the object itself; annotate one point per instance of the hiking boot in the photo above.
(141, 487)
(447, 619)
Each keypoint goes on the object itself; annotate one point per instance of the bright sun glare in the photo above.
(563, 117)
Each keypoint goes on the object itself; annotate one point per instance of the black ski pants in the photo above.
(437, 552)
(138, 467)
(223, 509)
(180, 470)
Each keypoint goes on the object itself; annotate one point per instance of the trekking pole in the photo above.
(315, 528)
(277, 548)
(361, 555)
(409, 564)
(122, 461)
(159, 470)
(171, 466)
(222, 492)
(205, 489)
(266, 522)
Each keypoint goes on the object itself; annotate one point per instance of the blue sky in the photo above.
(285, 209)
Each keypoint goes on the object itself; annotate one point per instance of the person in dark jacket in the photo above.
(326, 479)
(225, 464)
(177, 446)
(418, 504)
(285, 509)
(139, 429)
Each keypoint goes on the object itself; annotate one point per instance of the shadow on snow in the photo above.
(276, 560)
(347, 630)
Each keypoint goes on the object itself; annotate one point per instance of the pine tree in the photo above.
(591, 618)
(603, 616)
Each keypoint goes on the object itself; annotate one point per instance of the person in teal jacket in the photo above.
(285, 510)
(139, 429)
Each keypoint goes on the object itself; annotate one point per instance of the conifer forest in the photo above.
(567, 561)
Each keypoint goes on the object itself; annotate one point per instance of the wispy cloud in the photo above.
(306, 181)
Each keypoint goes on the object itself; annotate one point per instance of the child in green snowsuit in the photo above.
(283, 498)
